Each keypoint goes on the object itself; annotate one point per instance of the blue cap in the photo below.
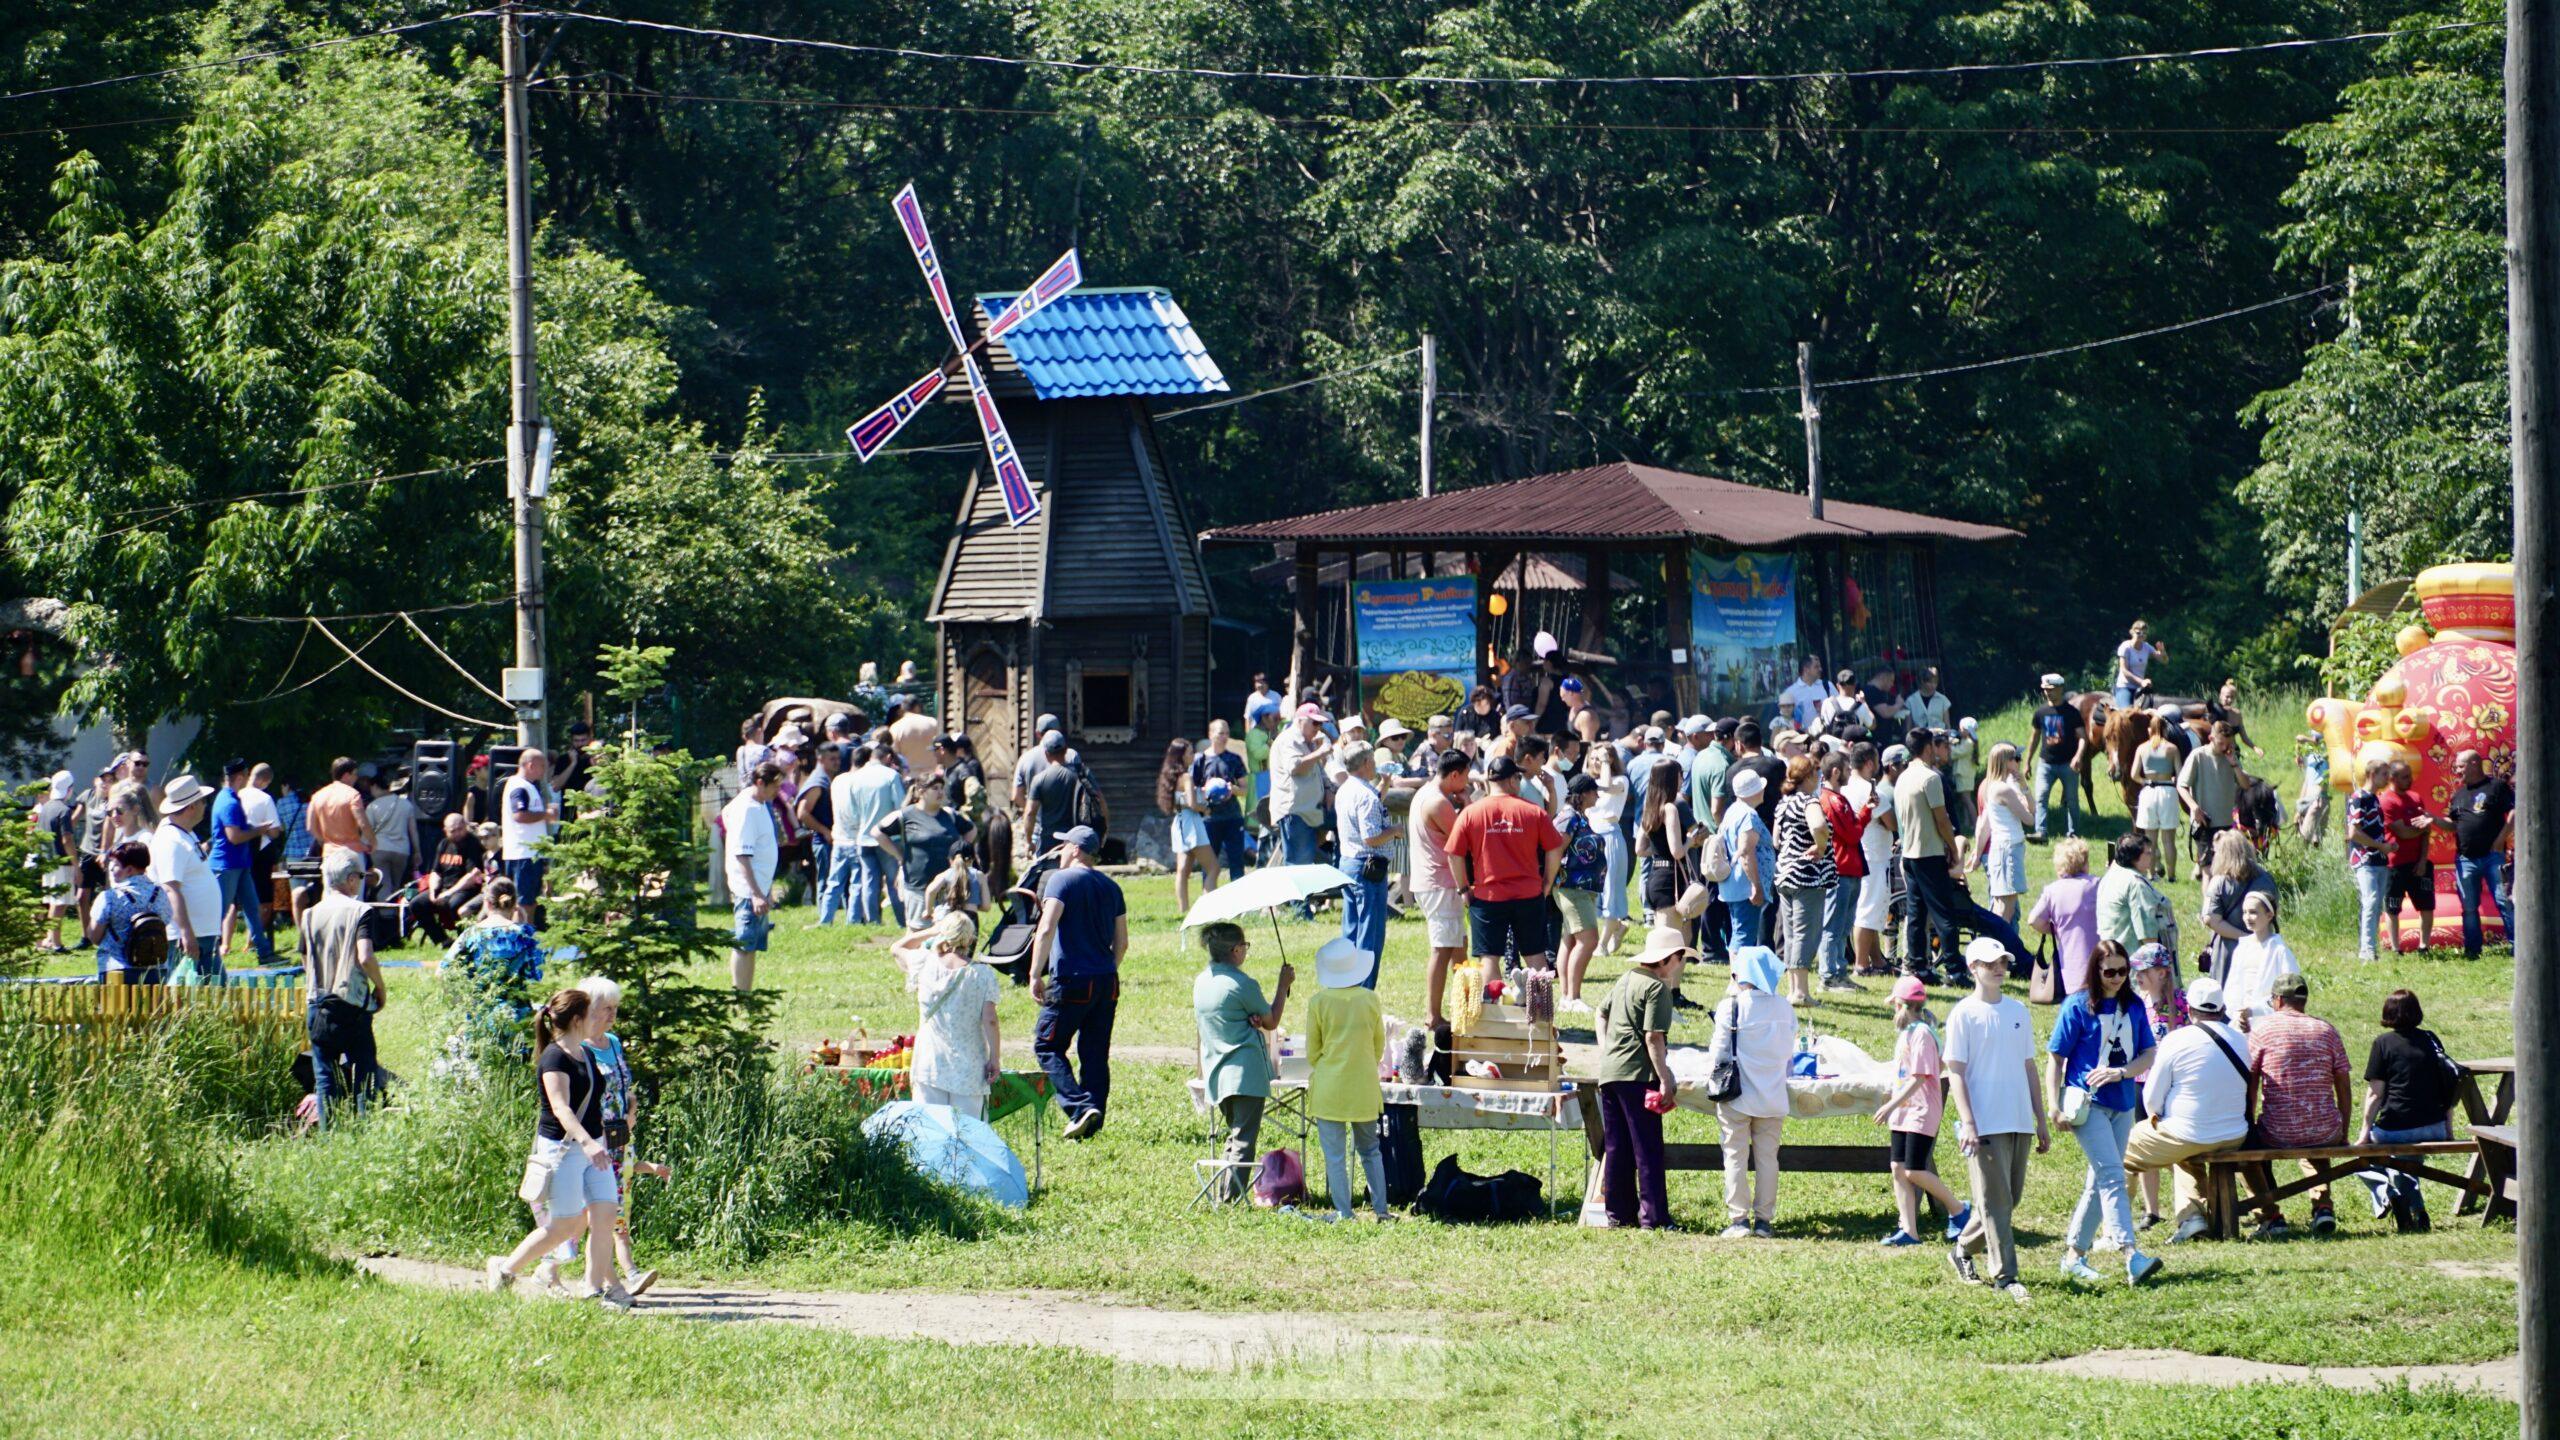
(1082, 837)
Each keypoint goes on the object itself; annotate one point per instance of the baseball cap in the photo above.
(1654, 735)
(1910, 990)
(1502, 767)
(2052, 679)
(1726, 727)
(1694, 725)
(1570, 685)
(1897, 755)
(1438, 723)
(1518, 712)
(1080, 836)
(2204, 993)
(1047, 724)
(1052, 741)
(1313, 711)
(1660, 720)
(1355, 721)
(2292, 985)
(1582, 785)
(1983, 950)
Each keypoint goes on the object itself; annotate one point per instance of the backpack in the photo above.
(1086, 808)
(146, 942)
(1715, 862)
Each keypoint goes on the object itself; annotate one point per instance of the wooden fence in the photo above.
(114, 1009)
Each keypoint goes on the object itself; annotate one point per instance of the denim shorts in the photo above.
(576, 1182)
(748, 929)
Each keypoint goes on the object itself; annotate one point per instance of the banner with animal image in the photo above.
(1742, 626)
(1416, 641)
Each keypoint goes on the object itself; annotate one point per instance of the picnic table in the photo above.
(2489, 1113)
(2498, 1161)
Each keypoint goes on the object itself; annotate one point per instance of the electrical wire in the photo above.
(280, 692)
(429, 641)
(1087, 67)
(2033, 355)
(1379, 363)
(507, 599)
(367, 666)
(249, 56)
(151, 514)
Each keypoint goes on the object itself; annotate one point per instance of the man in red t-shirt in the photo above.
(1503, 853)
(2405, 822)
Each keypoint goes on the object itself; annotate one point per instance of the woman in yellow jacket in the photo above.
(1346, 1034)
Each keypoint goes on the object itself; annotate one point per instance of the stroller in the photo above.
(1007, 946)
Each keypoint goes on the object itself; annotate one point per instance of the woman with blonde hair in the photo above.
(2155, 808)
(2000, 835)
(2067, 910)
(1608, 817)
(957, 1040)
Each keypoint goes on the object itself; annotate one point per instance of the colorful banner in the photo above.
(1417, 646)
(1742, 625)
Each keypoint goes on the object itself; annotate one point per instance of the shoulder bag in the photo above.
(1724, 1065)
(2044, 984)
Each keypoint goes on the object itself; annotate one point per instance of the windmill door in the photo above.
(989, 714)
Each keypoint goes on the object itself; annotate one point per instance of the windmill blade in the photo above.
(881, 426)
(920, 240)
(1065, 275)
(1020, 505)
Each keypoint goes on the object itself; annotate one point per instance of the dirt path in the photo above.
(2501, 1378)
(1181, 1339)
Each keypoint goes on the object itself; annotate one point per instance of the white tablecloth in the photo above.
(1447, 1107)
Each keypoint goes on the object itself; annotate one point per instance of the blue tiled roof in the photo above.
(1108, 342)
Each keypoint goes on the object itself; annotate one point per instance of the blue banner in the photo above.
(1742, 624)
(1417, 646)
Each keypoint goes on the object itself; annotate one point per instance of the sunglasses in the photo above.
(2113, 974)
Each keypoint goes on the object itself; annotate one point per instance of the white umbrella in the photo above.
(1265, 889)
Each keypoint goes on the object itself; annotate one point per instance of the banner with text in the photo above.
(1742, 627)
(1417, 646)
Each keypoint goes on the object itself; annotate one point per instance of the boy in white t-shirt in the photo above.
(1991, 1059)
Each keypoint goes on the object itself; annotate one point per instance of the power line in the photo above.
(1381, 361)
(367, 666)
(901, 52)
(1930, 374)
(1455, 122)
(249, 56)
(152, 514)
(506, 599)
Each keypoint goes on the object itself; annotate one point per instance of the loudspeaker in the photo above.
(502, 768)
(431, 783)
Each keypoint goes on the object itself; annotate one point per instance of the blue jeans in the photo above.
(527, 875)
(2372, 885)
(2401, 1183)
(2470, 878)
(240, 892)
(821, 856)
(1298, 847)
(1078, 1013)
(2124, 697)
(2046, 774)
(2102, 1138)
(1337, 1136)
(341, 1034)
(868, 872)
(1744, 926)
(1613, 894)
(836, 891)
(1364, 919)
(1837, 912)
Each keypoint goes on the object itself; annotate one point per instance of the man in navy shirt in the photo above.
(1075, 977)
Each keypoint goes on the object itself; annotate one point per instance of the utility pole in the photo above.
(525, 682)
(1811, 410)
(2355, 512)
(2533, 382)
(1430, 392)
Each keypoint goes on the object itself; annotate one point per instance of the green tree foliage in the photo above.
(627, 891)
(2401, 411)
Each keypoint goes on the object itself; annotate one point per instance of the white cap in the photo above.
(1983, 950)
(1966, 725)
(2052, 679)
(1747, 784)
(2204, 993)
(1695, 723)
(1653, 734)
(1392, 728)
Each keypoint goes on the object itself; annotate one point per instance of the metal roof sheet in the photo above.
(1613, 502)
(1132, 341)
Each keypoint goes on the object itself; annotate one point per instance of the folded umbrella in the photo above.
(961, 1150)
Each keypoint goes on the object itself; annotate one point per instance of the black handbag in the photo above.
(1400, 1144)
(1724, 1065)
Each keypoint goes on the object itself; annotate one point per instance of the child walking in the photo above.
(1912, 1115)
(1346, 1035)
(1636, 1083)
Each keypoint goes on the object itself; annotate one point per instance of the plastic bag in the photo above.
(1282, 1180)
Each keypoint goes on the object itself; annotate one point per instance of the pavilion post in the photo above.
(1675, 626)
(1593, 637)
(1302, 620)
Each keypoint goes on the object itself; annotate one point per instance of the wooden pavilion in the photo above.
(1856, 585)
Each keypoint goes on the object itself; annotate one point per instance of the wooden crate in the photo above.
(1527, 1052)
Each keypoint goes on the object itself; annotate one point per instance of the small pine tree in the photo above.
(26, 857)
(628, 893)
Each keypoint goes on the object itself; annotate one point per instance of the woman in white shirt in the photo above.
(957, 1040)
(2000, 836)
(1760, 1026)
(2257, 958)
(1608, 817)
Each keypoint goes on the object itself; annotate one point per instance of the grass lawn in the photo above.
(1550, 1329)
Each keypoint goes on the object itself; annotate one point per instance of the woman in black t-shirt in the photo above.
(569, 1181)
(2409, 1095)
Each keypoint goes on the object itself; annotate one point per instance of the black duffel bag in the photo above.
(1456, 1195)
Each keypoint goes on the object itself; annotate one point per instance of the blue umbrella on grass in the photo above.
(961, 1150)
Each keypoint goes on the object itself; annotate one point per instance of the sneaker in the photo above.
(1957, 1222)
(1838, 986)
(1737, 1231)
(547, 1274)
(1084, 1125)
(2194, 1227)
(2075, 1268)
(2105, 1245)
(2274, 1229)
(1899, 1238)
(2139, 1267)
(2017, 1292)
(1760, 1230)
(1382, 1217)
(499, 1277)
(641, 1282)
(1573, 1005)
(1963, 1264)
(2151, 1219)
(2324, 1220)
(611, 1297)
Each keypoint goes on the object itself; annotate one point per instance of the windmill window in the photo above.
(1107, 702)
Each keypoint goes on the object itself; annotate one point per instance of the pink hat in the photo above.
(1909, 990)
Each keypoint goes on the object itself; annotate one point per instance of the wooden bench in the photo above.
(2330, 1164)
(1792, 1159)
(2497, 1169)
